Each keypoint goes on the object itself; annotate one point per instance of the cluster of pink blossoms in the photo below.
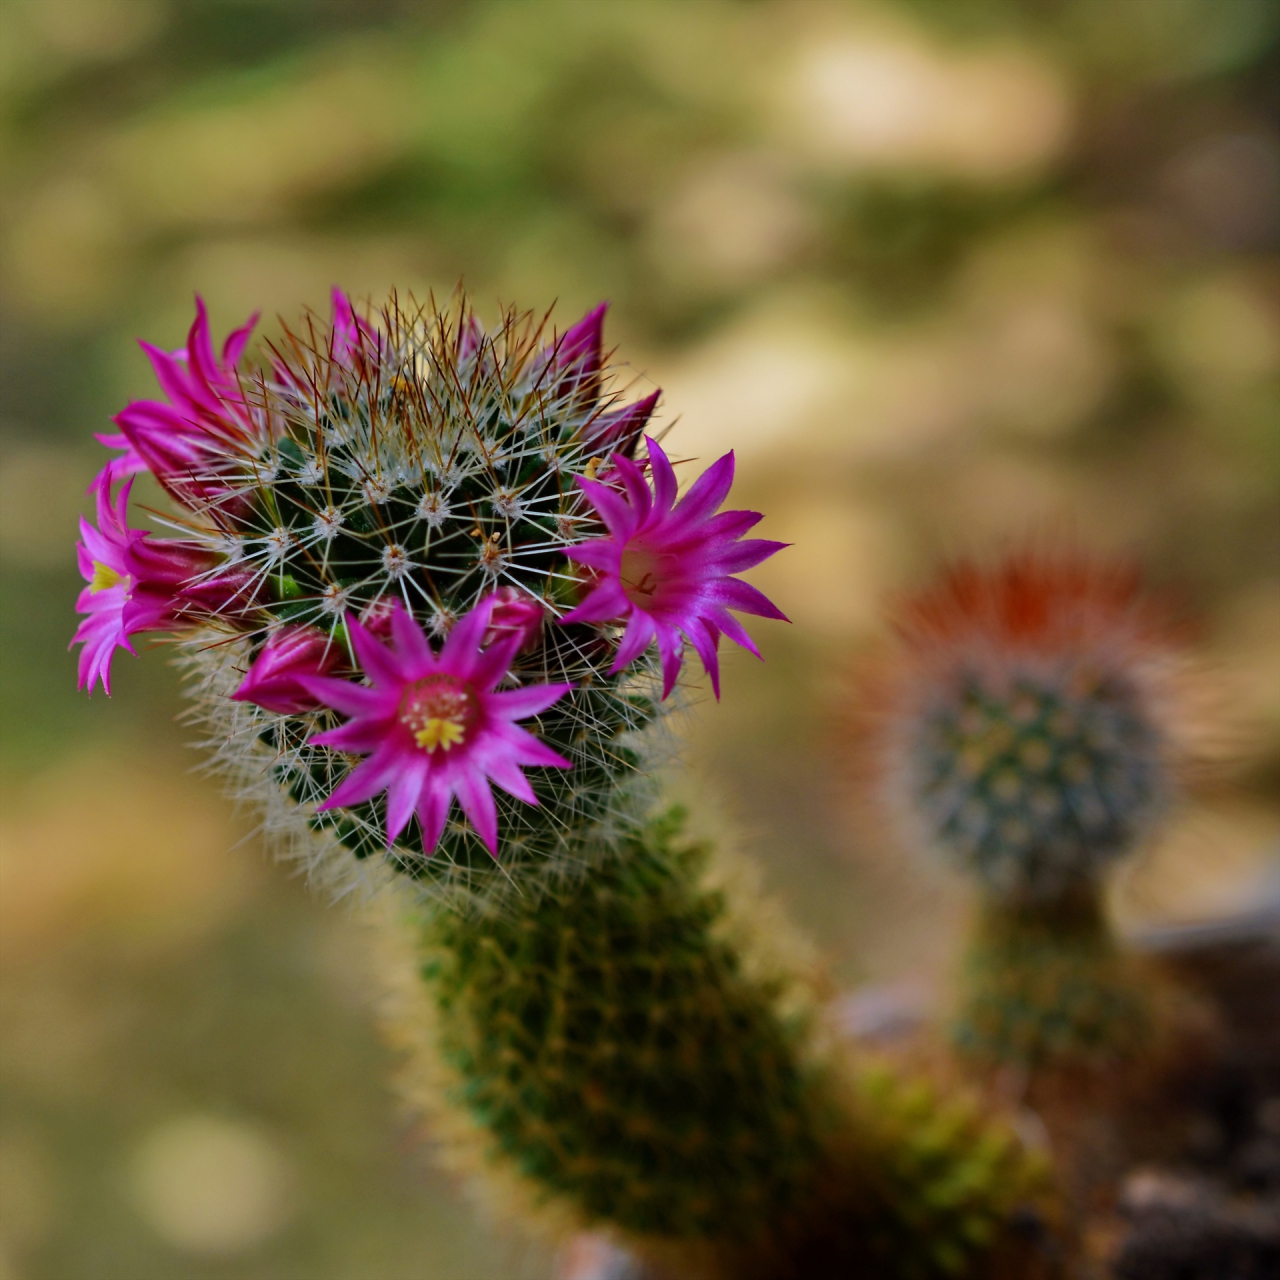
(434, 725)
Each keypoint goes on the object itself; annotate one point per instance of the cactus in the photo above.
(433, 611)
(1021, 729)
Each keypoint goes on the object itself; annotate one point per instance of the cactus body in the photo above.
(617, 1055)
(1048, 985)
(422, 533)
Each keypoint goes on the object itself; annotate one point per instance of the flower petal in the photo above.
(736, 594)
(367, 779)
(640, 632)
(433, 811)
(461, 650)
(707, 492)
(620, 519)
(740, 556)
(516, 704)
(603, 603)
(477, 802)
(704, 636)
(665, 485)
(402, 797)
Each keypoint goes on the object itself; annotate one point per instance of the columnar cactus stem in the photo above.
(617, 1053)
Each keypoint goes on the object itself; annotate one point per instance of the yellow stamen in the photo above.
(105, 577)
(439, 733)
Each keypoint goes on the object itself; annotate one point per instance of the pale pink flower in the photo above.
(666, 566)
(434, 725)
(135, 583)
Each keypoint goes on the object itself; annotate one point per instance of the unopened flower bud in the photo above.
(275, 679)
(515, 612)
(376, 617)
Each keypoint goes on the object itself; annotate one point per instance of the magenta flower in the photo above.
(666, 566)
(275, 680)
(135, 584)
(350, 333)
(434, 727)
(203, 417)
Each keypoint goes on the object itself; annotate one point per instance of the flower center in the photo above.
(104, 578)
(641, 575)
(439, 711)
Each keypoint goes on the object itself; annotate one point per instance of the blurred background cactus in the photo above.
(1024, 724)
(937, 271)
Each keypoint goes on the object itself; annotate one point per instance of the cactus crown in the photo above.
(422, 458)
(1020, 722)
(388, 480)
(409, 459)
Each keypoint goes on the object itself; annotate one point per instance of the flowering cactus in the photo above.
(421, 562)
(1020, 728)
(412, 459)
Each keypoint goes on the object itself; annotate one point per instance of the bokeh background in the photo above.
(944, 272)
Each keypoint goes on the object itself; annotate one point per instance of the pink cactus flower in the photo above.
(204, 415)
(515, 612)
(666, 566)
(135, 584)
(350, 333)
(434, 726)
(274, 681)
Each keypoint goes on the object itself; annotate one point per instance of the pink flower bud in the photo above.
(376, 616)
(515, 612)
(291, 655)
(228, 595)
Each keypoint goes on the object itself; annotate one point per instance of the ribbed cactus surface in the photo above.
(614, 1049)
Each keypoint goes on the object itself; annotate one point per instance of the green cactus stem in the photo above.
(1047, 985)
